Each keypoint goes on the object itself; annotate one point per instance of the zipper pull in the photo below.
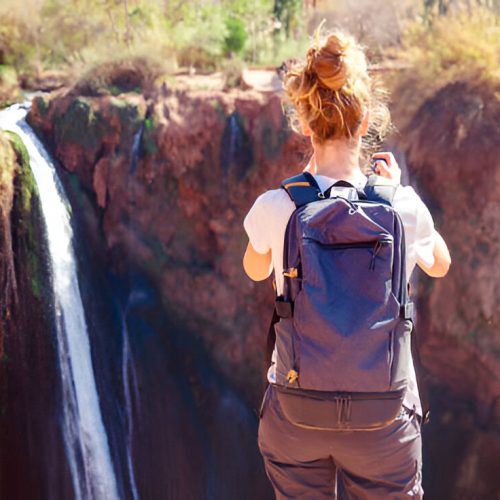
(376, 250)
(292, 376)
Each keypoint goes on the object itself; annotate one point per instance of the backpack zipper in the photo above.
(354, 206)
(376, 245)
(364, 244)
(403, 298)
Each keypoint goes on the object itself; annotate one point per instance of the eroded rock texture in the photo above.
(177, 209)
(167, 215)
(453, 151)
(172, 208)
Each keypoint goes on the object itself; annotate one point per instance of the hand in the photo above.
(388, 168)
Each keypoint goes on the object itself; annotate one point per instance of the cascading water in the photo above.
(129, 374)
(85, 436)
(136, 144)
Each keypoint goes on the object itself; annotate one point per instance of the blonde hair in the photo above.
(331, 90)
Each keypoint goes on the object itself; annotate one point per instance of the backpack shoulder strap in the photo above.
(383, 190)
(302, 189)
(380, 189)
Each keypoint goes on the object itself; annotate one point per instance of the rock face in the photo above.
(171, 209)
(453, 151)
(29, 386)
(177, 208)
(163, 225)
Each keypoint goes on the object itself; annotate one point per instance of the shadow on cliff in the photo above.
(177, 428)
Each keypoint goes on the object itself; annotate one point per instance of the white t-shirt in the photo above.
(266, 222)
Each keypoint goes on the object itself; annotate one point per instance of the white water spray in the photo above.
(85, 437)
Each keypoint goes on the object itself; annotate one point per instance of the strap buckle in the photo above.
(291, 272)
(407, 310)
(283, 307)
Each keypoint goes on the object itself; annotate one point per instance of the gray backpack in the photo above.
(343, 326)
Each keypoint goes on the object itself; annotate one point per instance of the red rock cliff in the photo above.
(176, 210)
(453, 154)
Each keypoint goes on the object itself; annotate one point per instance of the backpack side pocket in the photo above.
(401, 341)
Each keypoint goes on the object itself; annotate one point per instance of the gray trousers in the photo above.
(313, 464)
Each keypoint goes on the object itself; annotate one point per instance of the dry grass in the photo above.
(116, 77)
(464, 46)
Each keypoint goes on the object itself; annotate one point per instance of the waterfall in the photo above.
(84, 433)
(129, 375)
(136, 144)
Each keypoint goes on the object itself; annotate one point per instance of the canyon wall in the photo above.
(161, 187)
(452, 148)
(30, 435)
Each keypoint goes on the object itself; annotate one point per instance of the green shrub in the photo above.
(236, 37)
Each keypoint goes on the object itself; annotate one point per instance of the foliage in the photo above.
(233, 70)
(78, 35)
(36, 35)
(287, 13)
(27, 187)
(9, 88)
(26, 194)
(280, 49)
(460, 46)
(199, 38)
(41, 34)
(8, 75)
(236, 35)
(129, 75)
(454, 46)
(434, 9)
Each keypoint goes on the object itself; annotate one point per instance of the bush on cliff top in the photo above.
(460, 46)
(455, 45)
(117, 77)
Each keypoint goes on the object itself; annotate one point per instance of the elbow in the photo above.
(254, 272)
(250, 272)
(440, 269)
(442, 258)
(256, 277)
(445, 267)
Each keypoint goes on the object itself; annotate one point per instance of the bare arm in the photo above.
(442, 259)
(258, 266)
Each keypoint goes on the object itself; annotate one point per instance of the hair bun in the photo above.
(327, 63)
(331, 90)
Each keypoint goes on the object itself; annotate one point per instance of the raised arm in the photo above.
(442, 260)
